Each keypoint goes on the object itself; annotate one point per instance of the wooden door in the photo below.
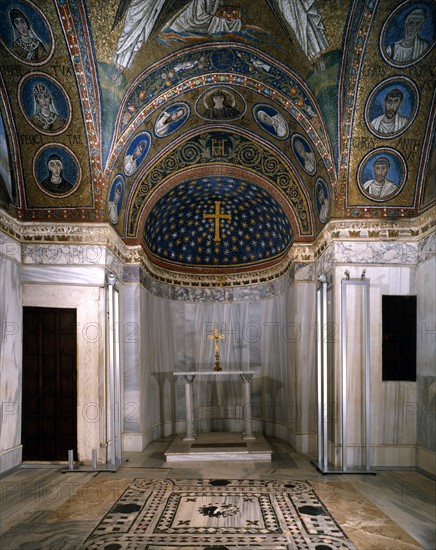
(49, 417)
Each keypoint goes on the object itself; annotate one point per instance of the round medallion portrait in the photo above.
(136, 152)
(382, 174)
(304, 153)
(271, 120)
(44, 103)
(115, 199)
(56, 170)
(25, 32)
(391, 107)
(322, 200)
(220, 103)
(171, 119)
(408, 34)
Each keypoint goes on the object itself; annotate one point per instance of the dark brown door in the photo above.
(49, 421)
(399, 338)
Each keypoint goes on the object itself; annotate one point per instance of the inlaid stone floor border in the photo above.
(218, 514)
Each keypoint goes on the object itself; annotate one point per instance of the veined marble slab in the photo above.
(218, 446)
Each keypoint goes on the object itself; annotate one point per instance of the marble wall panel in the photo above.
(64, 254)
(133, 416)
(426, 311)
(425, 407)
(301, 335)
(248, 293)
(10, 354)
(257, 335)
(9, 248)
(427, 248)
(369, 252)
(390, 426)
(74, 274)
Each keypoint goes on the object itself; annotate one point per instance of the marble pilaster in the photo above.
(10, 353)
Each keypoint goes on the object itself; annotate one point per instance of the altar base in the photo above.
(218, 446)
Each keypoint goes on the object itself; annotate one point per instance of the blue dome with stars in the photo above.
(217, 222)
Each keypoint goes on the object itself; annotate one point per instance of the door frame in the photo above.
(89, 302)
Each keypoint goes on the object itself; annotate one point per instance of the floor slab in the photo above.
(213, 446)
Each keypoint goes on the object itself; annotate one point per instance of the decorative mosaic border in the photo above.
(404, 242)
(277, 514)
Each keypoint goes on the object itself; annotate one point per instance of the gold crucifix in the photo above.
(217, 216)
(216, 336)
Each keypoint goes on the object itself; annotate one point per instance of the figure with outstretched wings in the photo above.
(140, 19)
(303, 19)
(299, 18)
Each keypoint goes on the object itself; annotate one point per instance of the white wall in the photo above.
(423, 410)
(10, 353)
(392, 269)
(271, 335)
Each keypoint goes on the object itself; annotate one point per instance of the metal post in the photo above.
(322, 376)
(110, 369)
(319, 371)
(324, 371)
(367, 379)
(94, 459)
(117, 377)
(71, 459)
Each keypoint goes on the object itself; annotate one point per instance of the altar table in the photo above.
(188, 378)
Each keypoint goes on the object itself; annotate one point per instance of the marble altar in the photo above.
(188, 377)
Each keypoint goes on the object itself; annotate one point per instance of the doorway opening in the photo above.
(49, 411)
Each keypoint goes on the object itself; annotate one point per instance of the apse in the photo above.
(216, 223)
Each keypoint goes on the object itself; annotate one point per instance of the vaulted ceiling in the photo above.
(216, 134)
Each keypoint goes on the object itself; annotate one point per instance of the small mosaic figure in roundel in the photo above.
(45, 115)
(130, 161)
(136, 153)
(55, 182)
(304, 154)
(115, 201)
(391, 121)
(322, 200)
(380, 186)
(412, 46)
(171, 119)
(27, 45)
(271, 120)
(219, 104)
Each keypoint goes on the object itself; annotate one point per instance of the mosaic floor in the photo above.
(219, 514)
(150, 504)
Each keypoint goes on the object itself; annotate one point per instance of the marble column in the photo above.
(246, 380)
(189, 403)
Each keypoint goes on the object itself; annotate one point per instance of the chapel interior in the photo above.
(217, 255)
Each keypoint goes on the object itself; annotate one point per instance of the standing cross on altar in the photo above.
(216, 336)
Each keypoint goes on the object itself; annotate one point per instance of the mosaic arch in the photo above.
(162, 83)
(227, 153)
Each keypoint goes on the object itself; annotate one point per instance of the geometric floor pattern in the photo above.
(218, 514)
